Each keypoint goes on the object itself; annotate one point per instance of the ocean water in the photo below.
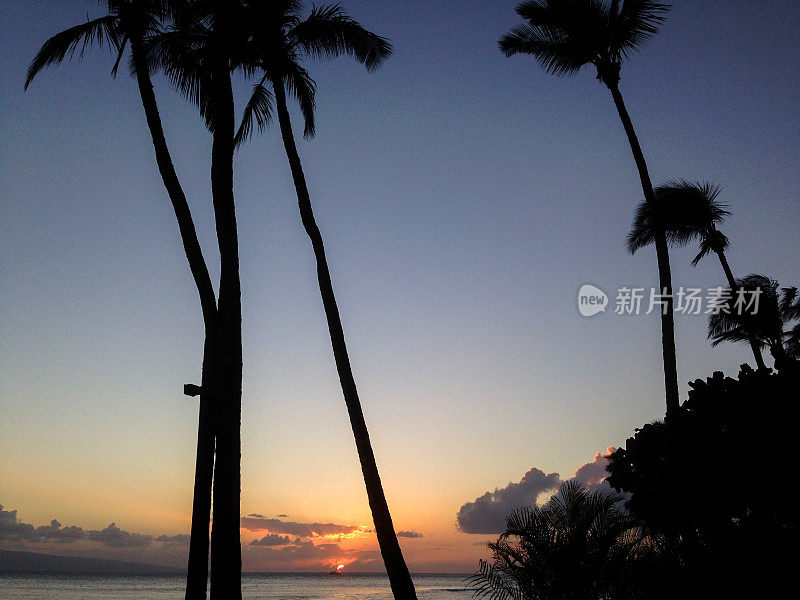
(283, 586)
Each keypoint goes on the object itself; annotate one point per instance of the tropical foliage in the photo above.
(579, 545)
(757, 309)
(711, 483)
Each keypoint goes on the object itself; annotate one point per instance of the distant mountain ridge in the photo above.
(33, 562)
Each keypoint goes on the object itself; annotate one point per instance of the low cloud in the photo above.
(182, 539)
(114, 537)
(12, 530)
(487, 513)
(305, 554)
(300, 530)
(409, 534)
(273, 539)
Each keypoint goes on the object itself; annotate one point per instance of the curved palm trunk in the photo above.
(197, 575)
(732, 283)
(662, 254)
(226, 550)
(396, 569)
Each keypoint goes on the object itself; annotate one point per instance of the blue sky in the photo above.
(464, 198)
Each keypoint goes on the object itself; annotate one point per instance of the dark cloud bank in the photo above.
(257, 522)
(487, 513)
(12, 530)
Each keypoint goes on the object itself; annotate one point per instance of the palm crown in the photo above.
(278, 42)
(776, 309)
(566, 35)
(683, 211)
(126, 21)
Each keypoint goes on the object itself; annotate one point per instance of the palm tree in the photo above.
(566, 35)
(279, 42)
(737, 320)
(131, 22)
(211, 26)
(685, 211)
(579, 545)
(790, 309)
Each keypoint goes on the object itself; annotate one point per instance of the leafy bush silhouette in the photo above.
(579, 545)
(712, 482)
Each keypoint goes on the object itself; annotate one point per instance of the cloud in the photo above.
(593, 474)
(114, 537)
(487, 513)
(62, 535)
(409, 534)
(13, 530)
(182, 539)
(306, 555)
(301, 530)
(273, 539)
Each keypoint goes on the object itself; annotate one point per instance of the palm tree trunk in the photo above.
(226, 550)
(396, 569)
(732, 283)
(662, 254)
(197, 573)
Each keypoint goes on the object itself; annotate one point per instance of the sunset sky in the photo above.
(464, 199)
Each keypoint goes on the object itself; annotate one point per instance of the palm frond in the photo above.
(258, 109)
(763, 324)
(711, 241)
(65, 43)
(635, 23)
(493, 583)
(683, 211)
(789, 304)
(565, 35)
(120, 52)
(556, 52)
(300, 85)
(329, 32)
(180, 55)
(792, 341)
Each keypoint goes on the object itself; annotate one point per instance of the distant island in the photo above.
(33, 562)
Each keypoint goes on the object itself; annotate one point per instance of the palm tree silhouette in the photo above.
(197, 54)
(566, 35)
(579, 545)
(281, 39)
(737, 321)
(132, 22)
(685, 211)
(211, 28)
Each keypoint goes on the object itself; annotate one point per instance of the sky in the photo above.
(464, 198)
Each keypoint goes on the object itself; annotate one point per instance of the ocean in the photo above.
(267, 586)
